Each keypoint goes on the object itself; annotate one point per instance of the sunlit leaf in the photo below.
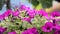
(38, 7)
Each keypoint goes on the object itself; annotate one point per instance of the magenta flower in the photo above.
(2, 17)
(42, 12)
(36, 11)
(27, 32)
(27, 19)
(16, 13)
(7, 13)
(22, 7)
(50, 17)
(30, 31)
(58, 20)
(47, 27)
(57, 30)
(55, 14)
(27, 9)
(34, 30)
(55, 27)
(2, 30)
(13, 32)
(58, 27)
(31, 13)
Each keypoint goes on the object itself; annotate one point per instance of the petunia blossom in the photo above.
(31, 13)
(55, 13)
(22, 7)
(2, 30)
(16, 13)
(2, 17)
(57, 31)
(27, 19)
(44, 13)
(30, 31)
(13, 32)
(7, 13)
(47, 27)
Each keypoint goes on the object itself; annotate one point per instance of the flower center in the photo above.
(54, 21)
(27, 14)
(48, 28)
(59, 32)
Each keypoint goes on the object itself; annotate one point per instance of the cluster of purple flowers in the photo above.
(29, 12)
(48, 27)
(30, 31)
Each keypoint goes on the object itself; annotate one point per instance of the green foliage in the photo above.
(34, 2)
(45, 3)
(39, 7)
(1, 4)
(38, 21)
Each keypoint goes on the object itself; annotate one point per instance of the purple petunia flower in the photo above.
(27, 32)
(1, 17)
(36, 12)
(47, 27)
(27, 9)
(31, 13)
(55, 13)
(22, 7)
(16, 13)
(44, 13)
(7, 13)
(57, 31)
(58, 27)
(30, 31)
(2, 30)
(27, 19)
(13, 32)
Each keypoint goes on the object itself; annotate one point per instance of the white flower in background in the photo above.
(54, 3)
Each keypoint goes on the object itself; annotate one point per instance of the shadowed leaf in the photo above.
(1, 4)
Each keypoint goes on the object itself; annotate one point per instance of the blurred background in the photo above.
(36, 4)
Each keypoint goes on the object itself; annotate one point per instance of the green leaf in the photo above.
(39, 7)
(21, 28)
(46, 3)
(38, 21)
(1, 4)
(34, 2)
